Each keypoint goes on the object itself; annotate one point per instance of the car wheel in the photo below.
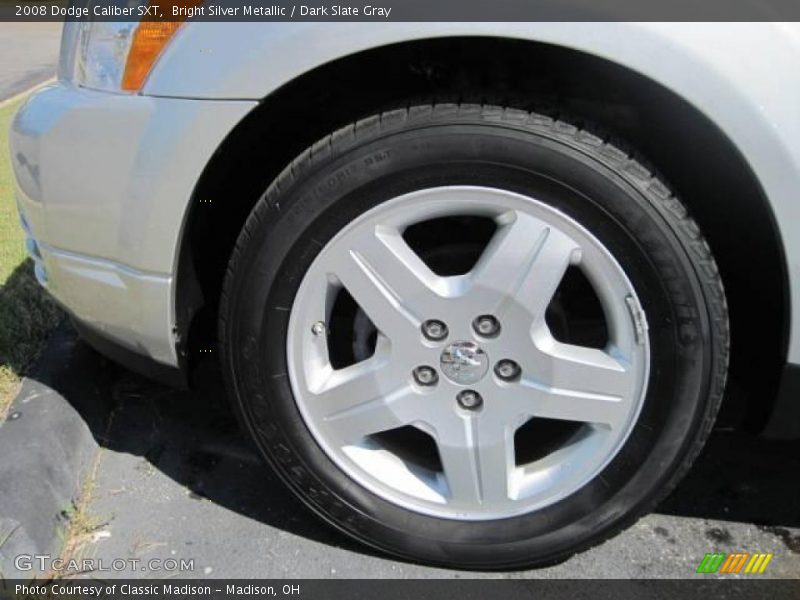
(474, 336)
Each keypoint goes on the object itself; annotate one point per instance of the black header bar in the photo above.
(381, 11)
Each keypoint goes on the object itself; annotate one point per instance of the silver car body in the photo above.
(105, 180)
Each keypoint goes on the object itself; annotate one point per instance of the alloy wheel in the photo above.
(460, 364)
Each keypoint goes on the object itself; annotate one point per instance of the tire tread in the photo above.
(587, 141)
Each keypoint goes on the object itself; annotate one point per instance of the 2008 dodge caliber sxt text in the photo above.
(477, 289)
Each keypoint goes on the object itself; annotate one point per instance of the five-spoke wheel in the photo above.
(466, 359)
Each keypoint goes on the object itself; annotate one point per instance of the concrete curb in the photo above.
(47, 447)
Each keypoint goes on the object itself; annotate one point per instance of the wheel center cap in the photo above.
(464, 363)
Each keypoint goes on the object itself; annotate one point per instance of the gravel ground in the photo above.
(175, 479)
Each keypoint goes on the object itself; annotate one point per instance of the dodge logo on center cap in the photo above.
(464, 363)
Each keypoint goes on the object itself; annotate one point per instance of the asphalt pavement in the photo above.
(175, 479)
(29, 56)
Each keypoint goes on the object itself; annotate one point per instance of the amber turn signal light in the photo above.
(150, 39)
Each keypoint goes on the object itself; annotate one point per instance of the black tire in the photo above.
(623, 204)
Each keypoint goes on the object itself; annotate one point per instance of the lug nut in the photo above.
(425, 375)
(507, 370)
(469, 399)
(486, 325)
(318, 328)
(434, 330)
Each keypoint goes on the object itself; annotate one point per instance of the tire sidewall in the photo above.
(341, 183)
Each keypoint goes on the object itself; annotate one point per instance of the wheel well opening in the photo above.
(696, 159)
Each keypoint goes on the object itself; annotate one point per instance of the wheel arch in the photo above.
(700, 162)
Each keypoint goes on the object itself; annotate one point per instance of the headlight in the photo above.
(118, 56)
(102, 54)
